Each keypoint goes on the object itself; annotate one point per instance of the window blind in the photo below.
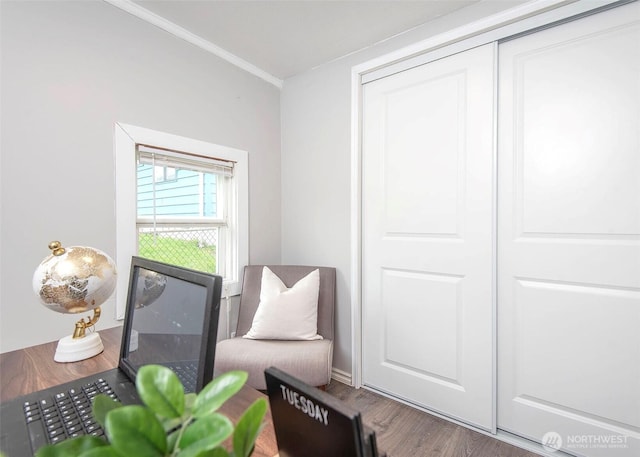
(150, 155)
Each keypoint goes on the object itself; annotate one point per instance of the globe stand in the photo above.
(73, 349)
(80, 346)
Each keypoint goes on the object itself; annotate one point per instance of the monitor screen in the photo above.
(169, 317)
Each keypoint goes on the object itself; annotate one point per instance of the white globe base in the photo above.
(74, 349)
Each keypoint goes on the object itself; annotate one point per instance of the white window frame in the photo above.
(126, 138)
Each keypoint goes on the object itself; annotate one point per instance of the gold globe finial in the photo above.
(56, 248)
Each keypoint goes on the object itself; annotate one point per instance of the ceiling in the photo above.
(287, 37)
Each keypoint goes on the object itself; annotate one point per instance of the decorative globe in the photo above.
(74, 279)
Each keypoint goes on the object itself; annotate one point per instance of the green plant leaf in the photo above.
(173, 423)
(217, 452)
(161, 390)
(189, 400)
(102, 404)
(170, 424)
(248, 428)
(205, 434)
(219, 390)
(105, 451)
(72, 447)
(135, 431)
(172, 440)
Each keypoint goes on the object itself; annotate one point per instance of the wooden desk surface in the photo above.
(27, 370)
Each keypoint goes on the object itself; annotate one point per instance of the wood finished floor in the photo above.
(403, 431)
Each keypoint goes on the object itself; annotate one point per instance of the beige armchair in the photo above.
(310, 361)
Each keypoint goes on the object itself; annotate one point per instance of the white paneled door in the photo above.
(569, 235)
(427, 235)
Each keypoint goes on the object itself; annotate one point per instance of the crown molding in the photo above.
(179, 32)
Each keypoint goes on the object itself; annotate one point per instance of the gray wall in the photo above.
(316, 163)
(70, 70)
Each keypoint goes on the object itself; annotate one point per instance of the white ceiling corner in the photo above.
(277, 39)
(187, 35)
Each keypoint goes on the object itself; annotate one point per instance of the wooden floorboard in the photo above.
(403, 431)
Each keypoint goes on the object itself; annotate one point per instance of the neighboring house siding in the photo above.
(180, 196)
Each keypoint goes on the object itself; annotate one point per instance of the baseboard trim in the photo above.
(341, 376)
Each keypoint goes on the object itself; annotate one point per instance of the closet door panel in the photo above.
(427, 235)
(569, 235)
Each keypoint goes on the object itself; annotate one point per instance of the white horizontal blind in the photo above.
(168, 158)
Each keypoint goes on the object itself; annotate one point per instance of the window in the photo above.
(180, 201)
(161, 174)
(182, 216)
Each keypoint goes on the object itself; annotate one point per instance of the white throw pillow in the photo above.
(286, 314)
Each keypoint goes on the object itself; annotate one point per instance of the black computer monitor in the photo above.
(311, 423)
(171, 320)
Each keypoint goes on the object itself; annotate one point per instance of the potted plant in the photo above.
(169, 423)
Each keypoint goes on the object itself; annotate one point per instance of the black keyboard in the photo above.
(65, 415)
(187, 374)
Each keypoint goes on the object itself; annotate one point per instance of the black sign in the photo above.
(311, 423)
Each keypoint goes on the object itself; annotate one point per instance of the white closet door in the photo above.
(427, 235)
(569, 235)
